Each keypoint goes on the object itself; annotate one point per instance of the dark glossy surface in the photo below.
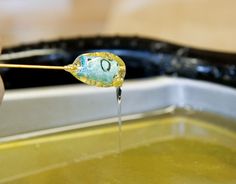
(143, 58)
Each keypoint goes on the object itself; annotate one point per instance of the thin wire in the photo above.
(32, 66)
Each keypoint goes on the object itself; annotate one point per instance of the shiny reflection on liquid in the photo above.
(154, 150)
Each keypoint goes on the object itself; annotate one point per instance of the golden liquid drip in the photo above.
(119, 100)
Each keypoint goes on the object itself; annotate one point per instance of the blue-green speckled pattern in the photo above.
(98, 69)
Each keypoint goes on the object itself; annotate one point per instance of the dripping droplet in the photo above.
(118, 97)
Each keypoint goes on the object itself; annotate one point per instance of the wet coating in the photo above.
(100, 69)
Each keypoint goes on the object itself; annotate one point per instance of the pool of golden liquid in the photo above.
(172, 147)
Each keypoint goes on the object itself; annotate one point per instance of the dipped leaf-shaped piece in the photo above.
(100, 69)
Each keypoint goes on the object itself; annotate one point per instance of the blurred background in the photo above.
(204, 24)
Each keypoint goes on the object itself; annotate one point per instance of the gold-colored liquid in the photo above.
(174, 148)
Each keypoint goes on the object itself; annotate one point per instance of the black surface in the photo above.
(143, 58)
